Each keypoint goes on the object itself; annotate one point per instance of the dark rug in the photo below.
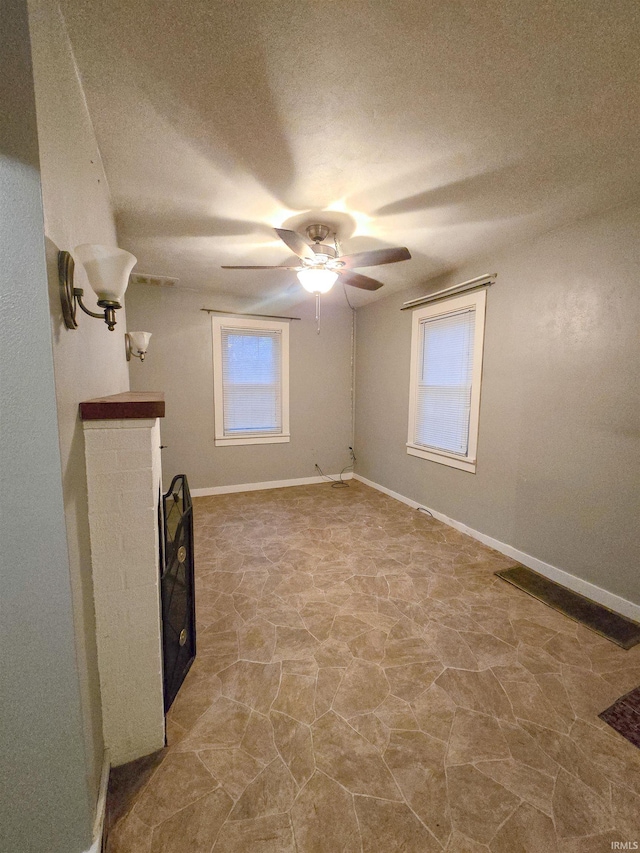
(605, 622)
(624, 716)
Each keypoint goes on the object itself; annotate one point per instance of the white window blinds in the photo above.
(251, 381)
(444, 382)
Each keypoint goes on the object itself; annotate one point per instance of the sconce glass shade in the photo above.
(107, 270)
(317, 279)
(139, 341)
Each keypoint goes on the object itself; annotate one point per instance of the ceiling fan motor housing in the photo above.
(317, 233)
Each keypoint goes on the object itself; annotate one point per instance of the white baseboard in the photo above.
(589, 590)
(270, 484)
(101, 806)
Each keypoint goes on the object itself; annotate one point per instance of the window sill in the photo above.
(443, 458)
(251, 439)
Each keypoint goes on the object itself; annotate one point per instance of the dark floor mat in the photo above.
(624, 716)
(605, 622)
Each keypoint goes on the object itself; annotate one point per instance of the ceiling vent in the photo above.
(155, 280)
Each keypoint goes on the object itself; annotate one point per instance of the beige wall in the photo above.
(180, 363)
(88, 361)
(558, 473)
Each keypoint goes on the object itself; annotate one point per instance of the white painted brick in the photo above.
(123, 475)
(124, 424)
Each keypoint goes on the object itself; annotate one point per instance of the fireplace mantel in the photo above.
(122, 452)
(129, 404)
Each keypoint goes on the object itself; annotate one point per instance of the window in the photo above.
(446, 368)
(250, 381)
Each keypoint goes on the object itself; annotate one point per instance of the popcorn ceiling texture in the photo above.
(364, 683)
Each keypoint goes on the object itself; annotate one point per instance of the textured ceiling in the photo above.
(452, 128)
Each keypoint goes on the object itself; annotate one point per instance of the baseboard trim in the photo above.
(270, 484)
(101, 807)
(589, 590)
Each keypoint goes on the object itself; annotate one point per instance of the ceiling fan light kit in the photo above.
(321, 266)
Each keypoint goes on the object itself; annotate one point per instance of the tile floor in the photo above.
(364, 684)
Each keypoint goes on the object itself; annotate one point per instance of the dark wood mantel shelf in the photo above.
(130, 404)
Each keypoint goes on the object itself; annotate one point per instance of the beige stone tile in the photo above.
(397, 714)
(362, 688)
(327, 684)
(223, 725)
(296, 697)
(555, 692)
(475, 737)
(529, 704)
(568, 650)
(195, 828)
(409, 650)
(532, 633)
(530, 785)
(294, 643)
(271, 834)
(537, 660)
(417, 764)
(346, 626)
(386, 826)
(588, 692)
(233, 768)
(477, 691)
(459, 843)
(318, 618)
(526, 831)
(434, 711)
(618, 759)
(271, 792)
(577, 809)
(565, 752)
(253, 684)
(220, 648)
(372, 582)
(479, 806)
(129, 835)
(594, 843)
(369, 585)
(408, 681)
(333, 653)
(258, 739)
(293, 742)
(369, 645)
(525, 749)
(197, 693)
(373, 729)
(626, 812)
(489, 650)
(257, 641)
(324, 818)
(180, 780)
(350, 759)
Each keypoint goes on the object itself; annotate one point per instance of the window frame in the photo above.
(473, 300)
(219, 323)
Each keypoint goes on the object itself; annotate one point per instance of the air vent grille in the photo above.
(154, 280)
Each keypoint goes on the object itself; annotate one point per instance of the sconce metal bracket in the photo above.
(67, 295)
(71, 297)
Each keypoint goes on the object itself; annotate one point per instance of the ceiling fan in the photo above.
(321, 265)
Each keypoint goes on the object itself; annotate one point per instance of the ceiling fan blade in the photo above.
(376, 257)
(356, 279)
(296, 244)
(276, 267)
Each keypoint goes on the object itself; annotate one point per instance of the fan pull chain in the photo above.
(318, 313)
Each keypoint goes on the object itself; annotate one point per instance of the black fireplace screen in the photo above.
(177, 586)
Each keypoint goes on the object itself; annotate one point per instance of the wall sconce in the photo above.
(107, 270)
(136, 344)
